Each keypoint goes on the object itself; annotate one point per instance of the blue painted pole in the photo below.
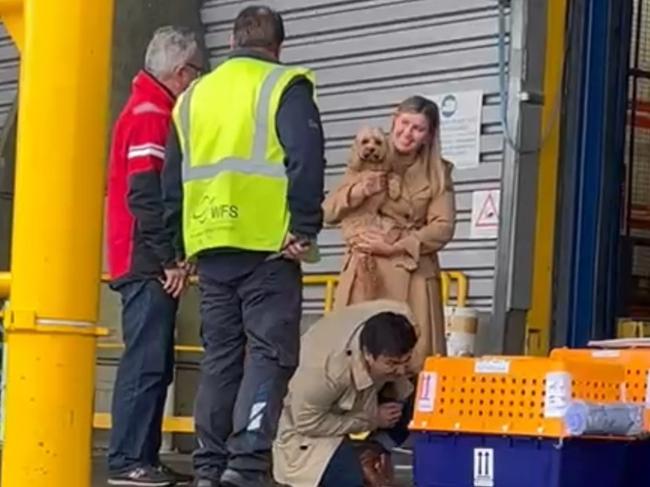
(599, 164)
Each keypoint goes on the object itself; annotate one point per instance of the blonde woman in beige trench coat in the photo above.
(427, 186)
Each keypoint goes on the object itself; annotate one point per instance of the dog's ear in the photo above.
(384, 147)
(355, 163)
(378, 134)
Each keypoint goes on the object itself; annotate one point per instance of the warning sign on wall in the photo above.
(485, 214)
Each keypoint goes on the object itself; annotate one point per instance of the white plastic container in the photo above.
(462, 325)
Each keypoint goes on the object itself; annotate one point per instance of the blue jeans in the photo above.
(145, 372)
(344, 468)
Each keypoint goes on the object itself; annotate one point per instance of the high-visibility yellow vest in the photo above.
(234, 179)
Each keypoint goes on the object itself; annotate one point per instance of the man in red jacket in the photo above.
(143, 265)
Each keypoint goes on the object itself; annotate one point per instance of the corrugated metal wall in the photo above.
(8, 88)
(9, 65)
(369, 55)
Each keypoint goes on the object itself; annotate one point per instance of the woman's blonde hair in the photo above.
(431, 151)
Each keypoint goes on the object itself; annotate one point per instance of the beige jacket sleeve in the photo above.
(313, 397)
(439, 227)
(338, 204)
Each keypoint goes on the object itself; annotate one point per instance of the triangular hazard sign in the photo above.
(489, 215)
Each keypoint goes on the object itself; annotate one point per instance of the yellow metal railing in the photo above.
(5, 284)
(330, 281)
(171, 424)
(185, 424)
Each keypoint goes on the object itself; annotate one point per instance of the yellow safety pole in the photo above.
(56, 254)
(12, 18)
(539, 315)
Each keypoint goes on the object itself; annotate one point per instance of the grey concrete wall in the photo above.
(135, 22)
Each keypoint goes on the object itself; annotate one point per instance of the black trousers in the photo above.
(250, 311)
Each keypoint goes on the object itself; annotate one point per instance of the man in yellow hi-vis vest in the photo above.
(243, 186)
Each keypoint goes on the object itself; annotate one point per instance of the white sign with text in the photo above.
(460, 126)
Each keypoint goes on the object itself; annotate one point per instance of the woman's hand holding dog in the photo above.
(368, 185)
(373, 183)
(374, 243)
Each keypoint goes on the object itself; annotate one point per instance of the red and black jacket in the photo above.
(138, 244)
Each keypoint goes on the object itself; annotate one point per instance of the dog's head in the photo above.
(369, 150)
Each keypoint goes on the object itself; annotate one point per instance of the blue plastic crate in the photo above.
(462, 460)
(638, 466)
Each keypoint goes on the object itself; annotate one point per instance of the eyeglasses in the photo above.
(198, 69)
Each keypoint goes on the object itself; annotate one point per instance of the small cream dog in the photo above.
(385, 211)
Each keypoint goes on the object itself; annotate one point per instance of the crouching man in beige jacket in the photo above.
(352, 378)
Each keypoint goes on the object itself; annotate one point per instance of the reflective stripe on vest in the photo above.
(257, 164)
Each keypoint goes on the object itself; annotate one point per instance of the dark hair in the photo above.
(258, 26)
(388, 334)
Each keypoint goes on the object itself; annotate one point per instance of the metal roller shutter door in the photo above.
(368, 55)
(9, 66)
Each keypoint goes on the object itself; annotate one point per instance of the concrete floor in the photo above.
(182, 463)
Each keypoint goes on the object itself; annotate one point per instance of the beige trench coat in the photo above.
(433, 222)
(330, 396)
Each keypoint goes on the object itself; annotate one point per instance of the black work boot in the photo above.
(234, 478)
(179, 478)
